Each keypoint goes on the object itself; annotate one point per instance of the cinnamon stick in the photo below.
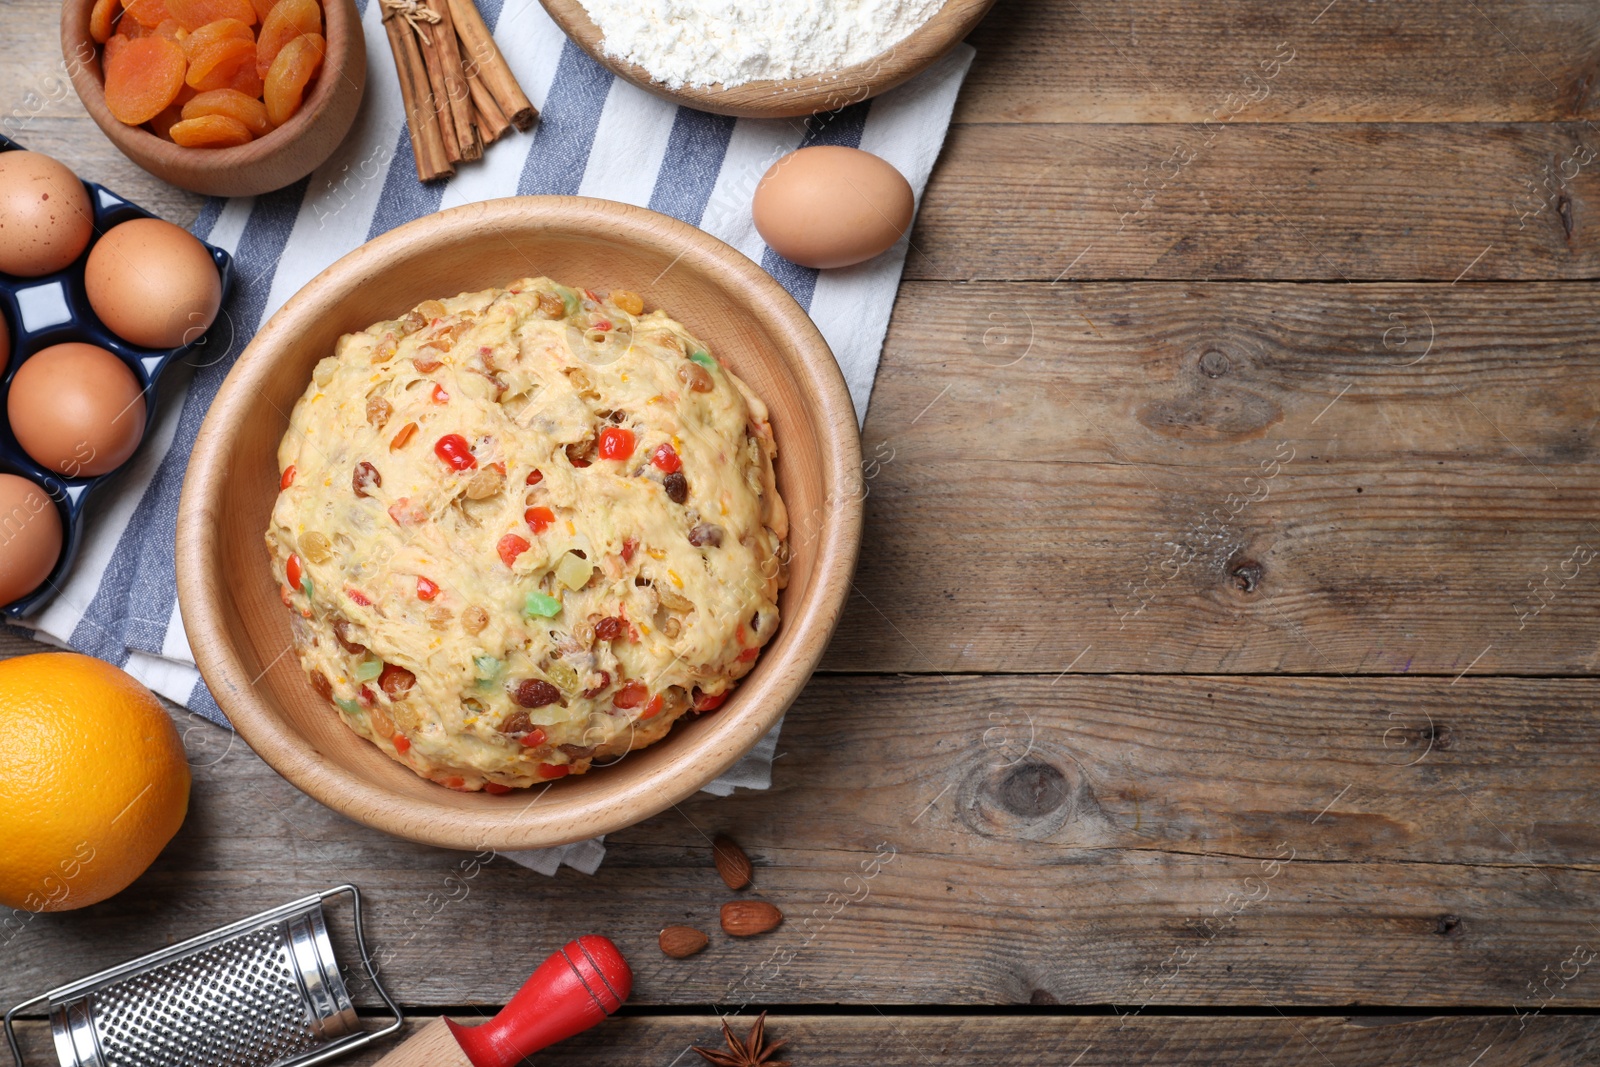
(439, 94)
(457, 95)
(427, 142)
(491, 121)
(485, 59)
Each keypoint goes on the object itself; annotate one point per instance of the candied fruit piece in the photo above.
(287, 20)
(143, 78)
(100, 20)
(196, 13)
(212, 66)
(147, 13)
(210, 131)
(232, 103)
(294, 68)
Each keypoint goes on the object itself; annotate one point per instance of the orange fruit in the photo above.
(93, 781)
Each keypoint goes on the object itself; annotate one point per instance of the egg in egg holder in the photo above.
(53, 309)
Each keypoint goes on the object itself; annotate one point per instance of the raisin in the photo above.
(706, 534)
(320, 683)
(474, 619)
(341, 632)
(378, 412)
(366, 477)
(396, 681)
(608, 629)
(605, 680)
(516, 723)
(535, 693)
(677, 487)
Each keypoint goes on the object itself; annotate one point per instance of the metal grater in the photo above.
(262, 992)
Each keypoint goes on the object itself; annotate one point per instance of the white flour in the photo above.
(704, 42)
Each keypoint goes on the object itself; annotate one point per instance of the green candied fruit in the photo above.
(368, 669)
(310, 589)
(488, 670)
(349, 707)
(570, 301)
(545, 607)
(704, 358)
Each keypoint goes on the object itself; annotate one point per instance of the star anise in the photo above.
(753, 1051)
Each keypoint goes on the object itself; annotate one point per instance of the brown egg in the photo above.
(827, 206)
(76, 409)
(153, 284)
(45, 217)
(30, 537)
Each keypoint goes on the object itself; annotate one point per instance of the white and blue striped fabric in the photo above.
(120, 601)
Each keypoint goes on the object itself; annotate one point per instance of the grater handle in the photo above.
(570, 992)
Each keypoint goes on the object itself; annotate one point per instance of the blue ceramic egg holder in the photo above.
(53, 309)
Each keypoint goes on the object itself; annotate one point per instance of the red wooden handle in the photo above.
(570, 992)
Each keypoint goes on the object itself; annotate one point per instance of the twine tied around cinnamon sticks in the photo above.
(459, 93)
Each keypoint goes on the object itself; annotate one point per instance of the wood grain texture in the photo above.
(1194, 841)
(790, 97)
(1192, 477)
(1243, 200)
(429, 1045)
(1153, 61)
(897, 1040)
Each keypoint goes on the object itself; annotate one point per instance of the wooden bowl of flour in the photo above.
(793, 96)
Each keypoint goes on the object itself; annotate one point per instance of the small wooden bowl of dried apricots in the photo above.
(223, 97)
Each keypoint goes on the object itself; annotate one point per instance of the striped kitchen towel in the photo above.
(119, 601)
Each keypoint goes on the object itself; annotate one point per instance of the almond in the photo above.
(732, 863)
(682, 941)
(747, 918)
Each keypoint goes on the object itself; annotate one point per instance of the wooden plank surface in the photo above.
(1005, 1040)
(1241, 200)
(1178, 842)
(1227, 477)
(1120, 61)
(1058, 474)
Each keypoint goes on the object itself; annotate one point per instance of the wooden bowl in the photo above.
(283, 156)
(239, 629)
(792, 96)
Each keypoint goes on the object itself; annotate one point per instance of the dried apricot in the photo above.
(232, 103)
(143, 78)
(210, 131)
(147, 13)
(196, 13)
(247, 81)
(213, 65)
(286, 21)
(100, 20)
(263, 8)
(212, 32)
(172, 30)
(113, 44)
(291, 71)
(162, 124)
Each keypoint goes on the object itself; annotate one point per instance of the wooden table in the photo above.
(1220, 674)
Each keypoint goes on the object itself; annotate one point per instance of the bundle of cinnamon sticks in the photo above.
(459, 93)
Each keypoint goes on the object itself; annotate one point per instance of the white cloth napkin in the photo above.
(119, 600)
